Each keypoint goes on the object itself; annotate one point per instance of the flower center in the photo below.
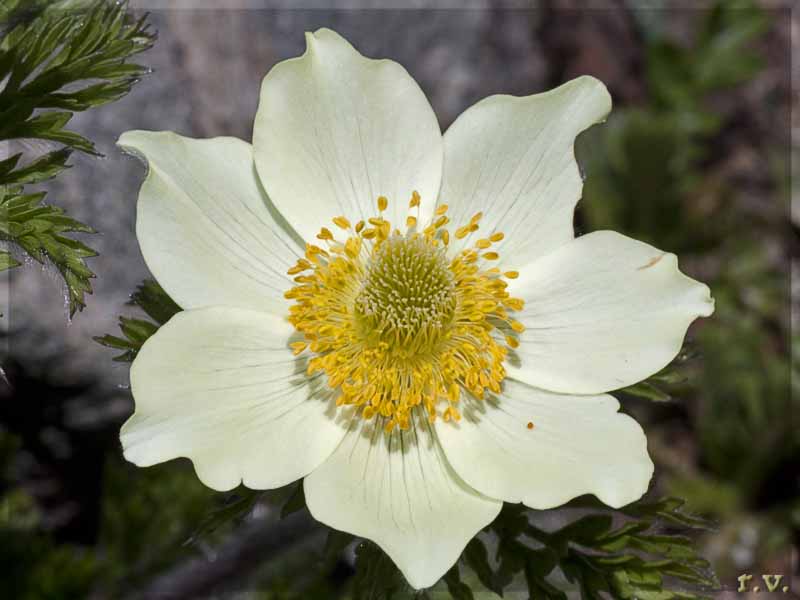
(407, 297)
(398, 322)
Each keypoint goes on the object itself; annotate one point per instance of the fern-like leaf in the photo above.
(57, 58)
(40, 230)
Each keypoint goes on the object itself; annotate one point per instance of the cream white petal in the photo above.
(602, 312)
(512, 159)
(335, 130)
(400, 492)
(221, 387)
(575, 445)
(205, 226)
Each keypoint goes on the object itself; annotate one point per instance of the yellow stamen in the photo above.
(342, 222)
(399, 326)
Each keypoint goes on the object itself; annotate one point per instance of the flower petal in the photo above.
(543, 449)
(219, 386)
(400, 492)
(205, 226)
(335, 130)
(512, 159)
(601, 313)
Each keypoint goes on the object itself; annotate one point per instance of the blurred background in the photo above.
(695, 159)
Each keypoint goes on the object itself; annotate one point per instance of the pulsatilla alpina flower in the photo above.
(402, 318)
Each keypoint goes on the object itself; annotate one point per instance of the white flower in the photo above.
(421, 378)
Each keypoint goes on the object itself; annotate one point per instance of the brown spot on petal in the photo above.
(530, 425)
(651, 262)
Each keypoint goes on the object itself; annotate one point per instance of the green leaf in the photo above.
(47, 126)
(477, 558)
(602, 554)
(669, 510)
(40, 230)
(234, 508)
(67, 59)
(585, 530)
(647, 391)
(376, 577)
(136, 332)
(41, 169)
(7, 261)
(57, 58)
(295, 502)
(457, 588)
(155, 302)
(538, 565)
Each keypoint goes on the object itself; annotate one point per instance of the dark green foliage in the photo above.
(295, 502)
(147, 517)
(752, 401)
(157, 305)
(43, 168)
(57, 58)
(601, 553)
(457, 588)
(721, 57)
(376, 577)
(645, 169)
(153, 300)
(34, 568)
(625, 552)
(33, 565)
(661, 172)
(476, 557)
(233, 508)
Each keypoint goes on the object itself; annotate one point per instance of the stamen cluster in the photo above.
(396, 322)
